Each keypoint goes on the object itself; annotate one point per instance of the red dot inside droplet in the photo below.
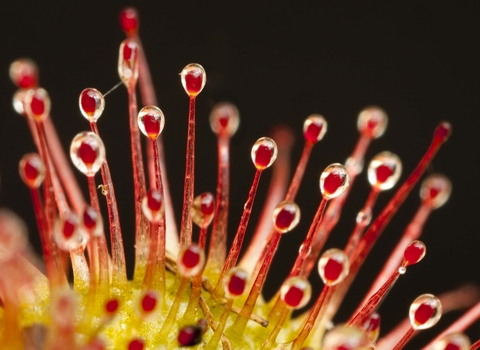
(263, 155)
(372, 323)
(88, 152)
(384, 172)
(194, 81)
(136, 344)
(413, 253)
(237, 284)
(69, 226)
(223, 121)
(152, 125)
(149, 301)
(332, 182)
(129, 20)
(37, 105)
(90, 217)
(130, 53)
(285, 217)
(442, 132)
(424, 313)
(154, 200)
(112, 306)
(451, 346)
(31, 170)
(26, 80)
(332, 270)
(293, 297)
(189, 336)
(191, 257)
(312, 132)
(207, 204)
(434, 192)
(89, 102)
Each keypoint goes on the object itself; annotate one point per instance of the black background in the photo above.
(279, 63)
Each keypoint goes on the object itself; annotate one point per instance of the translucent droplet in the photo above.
(296, 292)
(425, 311)
(453, 341)
(153, 206)
(67, 233)
(32, 170)
(264, 152)
(224, 119)
(364, 217)
(345, 338)
(314, 128)
(87, 152)
(235, 282)
(191, 260)
(24, 73)
(91, 222)
(111, 306)
(333, 266)
(18, 100)
(128, 62)
(193, 79)
(384, 171)
(37, 104)
(436, 190)
(334, 180)
(414, 252)
(286, 216)
(371, 326)
(13, 235)
(148, 305)
(91, 103)
(202, 210)
(151, 121)
(129, 21)
(372, 122)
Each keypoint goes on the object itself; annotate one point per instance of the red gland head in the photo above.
(224, 119)
(87, 152)
(372, 122)
(128, 62)
(425, 311)
(193, 79)
(202, 210)
(414, 252)
(148, 305)
(92, 104)
(129, 21)
(333, 266)
(136, 344)
(24, 73)
(344, 337)
(264, 152)
(296, 292)
(153, 206)
(190, 335)
(334, 180)
(384, 171)
(67, 233)
(371, 325)
(235, 282)
(286, 216)
(151, 121)
(32, 170)
(111, 306)
(436, 190)
(92, 222)
(37, 104)
(314, 128)
(453, 341)
(442, 132)
(191, 260)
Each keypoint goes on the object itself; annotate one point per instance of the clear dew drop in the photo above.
(191, 260)
(153, 205)
(87, 152)
(193, 78)
(67, 233)
(453, 341)
(286, 216)
(372, 122)
(203, 209)
(425, 311)
(436, 190)
(32, 170)
(128, 62)
(151, 121)
(224, 119)
(24, 73)
(37, 104)
(314, 128)
(91, 103)
(264, 152)
(333, 266)
(414, 253)
(235, 282)
(384, 170)
(364, 217)
(91, 223)
(296, 292)
(334, 180)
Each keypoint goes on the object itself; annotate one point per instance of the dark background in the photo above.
(279, 63)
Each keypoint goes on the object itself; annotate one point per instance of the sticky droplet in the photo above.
(334, 180)
(191, 260)
(202, 210)
(264, 152)
(384, 171)
(224, 119)
(235, 282)
(193, 79)
(153, 205)
(296, 292)
(286, 216)
(436, 190)
(151, 121)
(372, 122)
(333, 266)
(87, 152)
(32, 170)
(314, 128)
(425, 311)
(37, 104)
(91, 103)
